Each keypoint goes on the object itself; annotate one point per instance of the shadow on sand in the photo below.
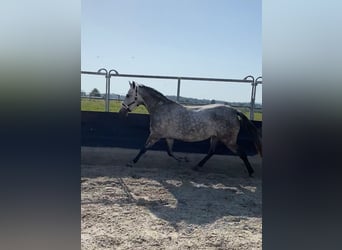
(178, 194)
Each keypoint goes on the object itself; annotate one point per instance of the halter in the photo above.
(126, 106)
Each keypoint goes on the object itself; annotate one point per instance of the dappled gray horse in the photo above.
(171, 120)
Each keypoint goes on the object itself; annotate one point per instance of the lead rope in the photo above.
(126, 190)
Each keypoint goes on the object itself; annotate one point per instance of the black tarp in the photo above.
(107, 129)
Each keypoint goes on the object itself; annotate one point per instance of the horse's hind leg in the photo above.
(241, 153)
(169, 143)
(243, 156)
(213, 142)
(151, 140)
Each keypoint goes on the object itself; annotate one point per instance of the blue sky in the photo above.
(204, 38)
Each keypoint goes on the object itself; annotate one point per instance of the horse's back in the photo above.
(214, 111)
(200, 122)
(206, 107)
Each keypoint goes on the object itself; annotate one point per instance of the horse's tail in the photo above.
(252, 130)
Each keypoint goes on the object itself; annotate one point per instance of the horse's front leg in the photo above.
(151, 140)
(169, 143)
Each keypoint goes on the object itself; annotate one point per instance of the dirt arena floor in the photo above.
(162, 204)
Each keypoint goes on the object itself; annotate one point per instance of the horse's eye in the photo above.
(127, 95)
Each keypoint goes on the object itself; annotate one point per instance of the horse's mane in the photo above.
(155, 93)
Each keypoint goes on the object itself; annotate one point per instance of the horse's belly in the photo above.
(194, 134)
(190, 130)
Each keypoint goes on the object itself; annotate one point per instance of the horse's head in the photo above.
(132, 99)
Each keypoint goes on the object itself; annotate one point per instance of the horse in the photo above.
(171, 121)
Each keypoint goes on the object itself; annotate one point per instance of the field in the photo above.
(161, 204)
(114, 106)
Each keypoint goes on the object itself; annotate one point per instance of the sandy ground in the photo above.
(161, 204)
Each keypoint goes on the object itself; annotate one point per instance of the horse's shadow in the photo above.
(182, 195)
(202, 203)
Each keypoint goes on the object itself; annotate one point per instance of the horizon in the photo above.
(167, 96)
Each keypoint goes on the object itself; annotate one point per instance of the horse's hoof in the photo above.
(129, 164)
(182, 159)
(185, 159)
(196, 168)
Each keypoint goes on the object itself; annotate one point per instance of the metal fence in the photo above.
(113, 73)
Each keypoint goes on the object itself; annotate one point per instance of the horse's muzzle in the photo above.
(123, 111)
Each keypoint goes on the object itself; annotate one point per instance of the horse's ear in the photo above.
(132, 84)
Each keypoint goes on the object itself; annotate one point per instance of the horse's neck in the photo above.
(151, 100)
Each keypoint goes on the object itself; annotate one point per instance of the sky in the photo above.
(196, 38)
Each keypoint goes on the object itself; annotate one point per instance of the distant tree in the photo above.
(83, 93)
(95, 92)
(212, 101)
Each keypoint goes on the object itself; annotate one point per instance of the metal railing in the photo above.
(113, 73)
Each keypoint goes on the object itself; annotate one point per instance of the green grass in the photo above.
(99, 105)
(114, 106)
(257, 115)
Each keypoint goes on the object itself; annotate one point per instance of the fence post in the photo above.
(108, 89)
(251, 113)
(178, 89)
(107, 83)
(255, 88)
(253, 100)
